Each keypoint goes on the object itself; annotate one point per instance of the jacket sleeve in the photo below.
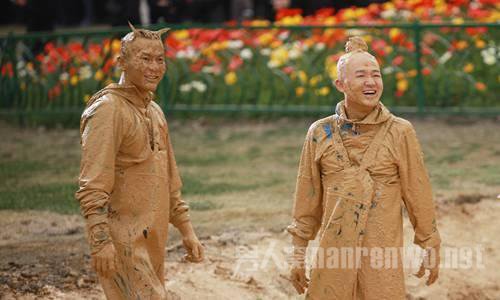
(307, 208)
(417, 191)
(101, 135)
(179, 210)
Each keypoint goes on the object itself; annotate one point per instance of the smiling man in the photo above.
(358, 169)
(129, 183)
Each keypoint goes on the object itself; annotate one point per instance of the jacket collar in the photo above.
(378, 115)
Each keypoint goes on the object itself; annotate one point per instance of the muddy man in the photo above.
(358, 169)
(129, 185)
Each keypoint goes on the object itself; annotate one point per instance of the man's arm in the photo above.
(100, 138)
(179, 210)
(307, 210)
(417, 196)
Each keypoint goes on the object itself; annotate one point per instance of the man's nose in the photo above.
(370, 81)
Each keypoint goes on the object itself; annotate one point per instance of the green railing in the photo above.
(427, 68)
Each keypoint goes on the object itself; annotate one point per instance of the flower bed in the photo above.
(283, 65)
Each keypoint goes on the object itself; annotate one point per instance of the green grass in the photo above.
(235, 174)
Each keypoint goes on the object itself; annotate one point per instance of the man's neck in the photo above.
(355, 113)
(141, 93)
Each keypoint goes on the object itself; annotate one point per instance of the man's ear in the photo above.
(339, 84)
(120, 62)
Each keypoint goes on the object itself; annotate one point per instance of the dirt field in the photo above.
(239, 181)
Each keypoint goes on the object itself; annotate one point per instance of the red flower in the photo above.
(398, 60)
(49, 47)
(325, 13)
(287, 12)
(7, 70)
(235, 63)
(198, 65)
(426, 71)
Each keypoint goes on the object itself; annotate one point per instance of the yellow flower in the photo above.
(394, 32)
(279, 56)
(181, 34)
(400, 75)
(402, 85)
(299, 91)
(332, 71)
(468, 68)
(388, 6)
(265, 39)
(260, 23)
(115, 46)
(457, 21)
(349, 14)
(22, 86)
(368, 39)
(480, 44)
(461, 45)
(86, 98)
(99, 75)
(231, 78)
(315, 80)
(73, 80)
(412, 73)
(302, 76)
(388, 49)
(323, 91)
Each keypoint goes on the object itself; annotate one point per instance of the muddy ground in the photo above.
(44, 256)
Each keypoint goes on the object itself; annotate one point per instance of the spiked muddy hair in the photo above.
(354, 45)
(139, 33)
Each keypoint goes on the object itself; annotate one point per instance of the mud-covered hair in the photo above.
(354, 45)
(139, 33)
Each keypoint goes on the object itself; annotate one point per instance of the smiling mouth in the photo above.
(152, 78)
(369, 93)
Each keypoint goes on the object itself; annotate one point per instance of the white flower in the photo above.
(21, 64)
(185, 88)
(445, 57)
(489, 56)
(388, 14)
(199, 86)
(85, 72)
(272, 64)
(180, 54)
(284, 35)
(235, 44)
(319, 46)
(64, 76)
(265, 51)
(387, 70)
(22, 73)
(246, 54)
(294, 53)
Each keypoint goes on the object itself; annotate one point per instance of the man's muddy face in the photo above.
(144, 64)
(361, 82)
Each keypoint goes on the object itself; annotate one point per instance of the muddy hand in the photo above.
(431, 263)
(103, 261)
(195, 250)
(299, 279)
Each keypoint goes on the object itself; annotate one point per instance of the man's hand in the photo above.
(298, 272)
(103, 261)
(195, 250)
(431, 263)
(299, 280)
